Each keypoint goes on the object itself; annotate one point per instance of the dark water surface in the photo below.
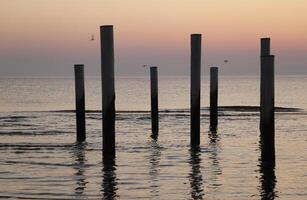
(39, 158)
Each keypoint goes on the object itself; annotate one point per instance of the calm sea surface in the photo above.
(39, 158)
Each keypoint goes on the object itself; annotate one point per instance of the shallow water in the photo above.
(39, 158)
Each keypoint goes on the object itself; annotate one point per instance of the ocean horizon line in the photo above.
(71, 76)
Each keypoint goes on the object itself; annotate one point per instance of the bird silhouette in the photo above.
(92, 38)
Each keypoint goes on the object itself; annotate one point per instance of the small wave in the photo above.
(15, 119)
(29, 133)
(256, 109)
(45, 163)
(35, 145)
(29, 195)
(41, 146)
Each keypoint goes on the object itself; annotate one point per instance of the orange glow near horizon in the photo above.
(154, 25)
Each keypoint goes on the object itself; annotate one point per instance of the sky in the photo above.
(47, 37)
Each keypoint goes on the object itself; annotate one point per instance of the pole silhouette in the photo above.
(213, 97)
(80, 102)
(195, 88)
(264, 51)
(267, 118)
(108, 90)
(154, 101)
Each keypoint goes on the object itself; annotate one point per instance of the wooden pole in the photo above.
(195, 88)
(267, 118)
(267, 121)
(264, 51)
(108, 90)
(154, 101)
(80, 102)
(213, 97)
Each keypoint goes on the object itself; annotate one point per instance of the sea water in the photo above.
(39, 158)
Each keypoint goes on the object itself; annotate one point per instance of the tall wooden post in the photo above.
(195, 88)
(264, 51)
(154, 101)
(108, 90)
(80, 102)
(267, 120)
(213, 97)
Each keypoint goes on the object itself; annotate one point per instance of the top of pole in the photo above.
(195, 34)
(106, 26)
(265, 46)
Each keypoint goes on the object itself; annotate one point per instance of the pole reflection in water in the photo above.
(154, 159)
(213, 136)
(267, 173)
(214, 148)
(195, 176)
(109, 179)
(78, 152)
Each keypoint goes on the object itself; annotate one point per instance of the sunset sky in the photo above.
(46, 37)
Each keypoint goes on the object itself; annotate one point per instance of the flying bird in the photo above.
(92, 38)
(226, 61)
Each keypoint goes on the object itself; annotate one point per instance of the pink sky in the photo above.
(49, 36)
